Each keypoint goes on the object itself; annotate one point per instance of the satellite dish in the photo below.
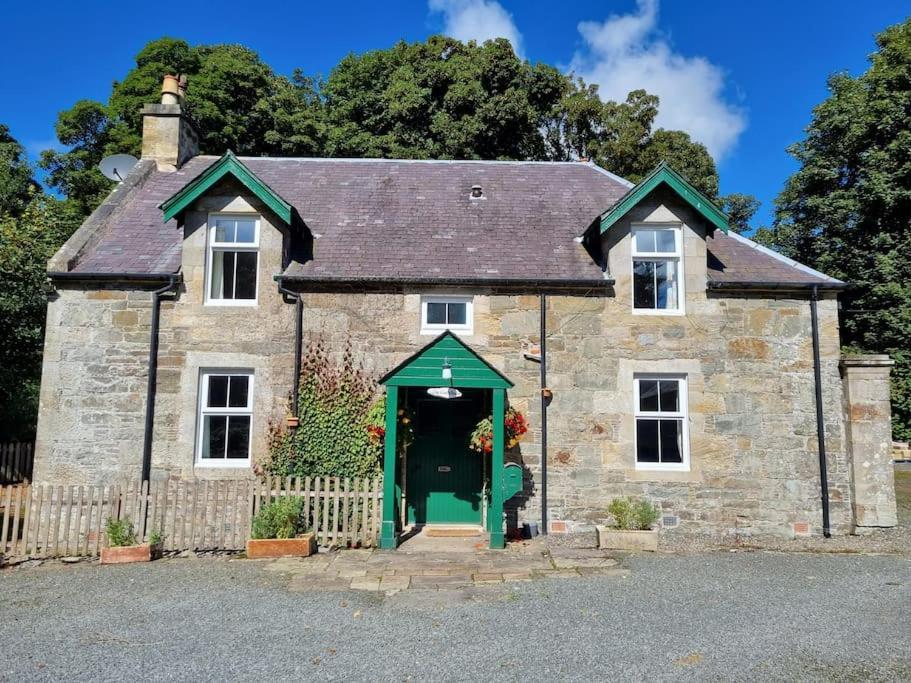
(117, 166)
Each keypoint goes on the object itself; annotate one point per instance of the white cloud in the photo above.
(626, 52)
(478, 20)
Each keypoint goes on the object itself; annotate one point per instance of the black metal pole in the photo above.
(820, 424)
(543, 414)
(153, 376)
(298, 346)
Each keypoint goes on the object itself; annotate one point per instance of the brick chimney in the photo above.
(168, 135)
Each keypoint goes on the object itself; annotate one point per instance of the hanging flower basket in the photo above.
(515, 428)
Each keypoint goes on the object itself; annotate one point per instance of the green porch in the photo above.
(447, 387)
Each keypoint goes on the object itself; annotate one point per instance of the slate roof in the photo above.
(414, 221)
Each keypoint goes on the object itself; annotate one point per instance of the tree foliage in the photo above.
(16, 182)
(440, 98)
(847, 210)
(27, 242)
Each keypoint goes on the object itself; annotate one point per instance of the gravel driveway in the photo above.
(741, 616)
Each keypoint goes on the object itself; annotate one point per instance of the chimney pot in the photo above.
(476, 192)
(170, 90)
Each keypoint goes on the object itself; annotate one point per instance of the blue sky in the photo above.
(740, 77)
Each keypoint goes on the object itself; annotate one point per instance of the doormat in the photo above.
(452, 531)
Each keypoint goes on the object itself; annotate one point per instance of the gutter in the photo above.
(472, 281)
(174, 279)
(820, 424)
(76, 276)
(787, 286)
(298, 344)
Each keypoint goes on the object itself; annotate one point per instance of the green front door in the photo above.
(444, 476)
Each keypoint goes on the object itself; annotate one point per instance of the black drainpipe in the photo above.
(153, 376)
(543, 414)
(820, 424)
(298, 345)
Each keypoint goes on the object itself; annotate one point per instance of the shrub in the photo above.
(156, 537)
(120, 532)
(632, 515)
(282, 518)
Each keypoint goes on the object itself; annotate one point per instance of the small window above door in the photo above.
(439, 313)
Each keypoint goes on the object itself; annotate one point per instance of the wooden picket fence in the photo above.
(16, 462)
(58, 521)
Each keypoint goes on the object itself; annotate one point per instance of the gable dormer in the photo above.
(653, 243)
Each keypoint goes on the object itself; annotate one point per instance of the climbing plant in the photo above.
(338, 416)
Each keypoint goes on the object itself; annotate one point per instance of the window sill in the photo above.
(435, 331)
(223, 465)
(232, 303)
(659, 312)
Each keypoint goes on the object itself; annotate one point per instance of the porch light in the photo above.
(447, 369)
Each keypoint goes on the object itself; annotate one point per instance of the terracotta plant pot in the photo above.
(292, 421)
(124, 554)
(302, 546)
(622, 539)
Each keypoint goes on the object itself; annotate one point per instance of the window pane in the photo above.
(646, 440)
(246, 232)
(436, 313)
(218, 290)
(245, 283)
(457, 314)
(670, 400)
(671, 440)
(240, 386)
(224, 230)
(643, 284)
(213, 438)
(648, 395)
(665, 242)
(218, 392)
(666, 276)
(645, 241)
(238, 436)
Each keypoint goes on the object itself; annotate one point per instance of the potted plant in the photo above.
(514, 428)
(279, 530)
(632, 527)
(122, 547)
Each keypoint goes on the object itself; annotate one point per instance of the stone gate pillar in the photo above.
(868, 426)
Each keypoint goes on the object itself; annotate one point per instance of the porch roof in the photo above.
(425, 368)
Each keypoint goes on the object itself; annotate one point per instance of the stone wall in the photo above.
(93, 384)
(869, 431)
(747, 359)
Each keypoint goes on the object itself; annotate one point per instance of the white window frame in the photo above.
(676, 256)
(212, 246)
(437, 328)
(681, 414)
(202, 411)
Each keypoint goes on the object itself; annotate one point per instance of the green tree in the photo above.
(27, 242)
(16, 182)
(236, 100)
(619, 136)
(847, 210)
(740, 209)
(440, 99)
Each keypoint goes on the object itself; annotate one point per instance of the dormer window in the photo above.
(233, 260)
(657, 269)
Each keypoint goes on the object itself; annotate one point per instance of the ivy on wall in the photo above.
(340, 416)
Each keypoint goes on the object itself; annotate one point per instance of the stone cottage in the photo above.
(653, 351)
